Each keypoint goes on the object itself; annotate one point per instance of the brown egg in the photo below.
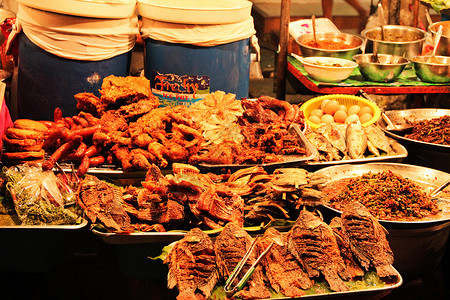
(331, 107)
(364, 110)
(314, 119)
(365, 118)
(340, 116)
(353, 110)
(316, 112)
(327, 118)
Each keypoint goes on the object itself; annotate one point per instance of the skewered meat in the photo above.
(102, 201)
(367, 239)
(284, 272)
(192, 266)
(230, 247)
(313, 243)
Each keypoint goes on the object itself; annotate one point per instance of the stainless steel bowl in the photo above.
(398, 40)
(387, 69)
(444, 44)
(353, 41)
(432, 69)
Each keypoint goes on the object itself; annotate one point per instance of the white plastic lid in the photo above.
(196, 11)
(111, 9)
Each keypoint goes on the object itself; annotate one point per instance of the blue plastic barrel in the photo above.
(46, 81)
(176, 71)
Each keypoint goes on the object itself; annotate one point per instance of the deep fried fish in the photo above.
(367, 239)
(313, 243)
(192, 266)
(284, 272)
(230, 247)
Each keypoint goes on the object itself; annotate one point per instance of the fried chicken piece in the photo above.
(124, 90)
(122, 154)
(224, 153)
(113, 130)
(138, 109)
(157, 150)
(141, 159)
(89, 103)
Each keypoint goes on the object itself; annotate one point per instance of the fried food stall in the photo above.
(129, 197)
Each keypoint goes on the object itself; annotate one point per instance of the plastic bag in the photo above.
(40, 196)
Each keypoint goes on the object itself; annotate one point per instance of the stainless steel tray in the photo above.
(369, 293)
(411, 115)
(139, 237)
(287, 160)
(420, 153)
(427, 178)
(399, 149)
(31, 228)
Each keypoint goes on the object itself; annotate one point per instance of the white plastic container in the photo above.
(196, 47)
(196, 11)
(86, 8)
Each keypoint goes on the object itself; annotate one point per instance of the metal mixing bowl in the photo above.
(387, 69)
(434, 70)
(353, 41)
(398, 40)
(444, 44)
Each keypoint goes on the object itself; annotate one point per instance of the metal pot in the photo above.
(444, 44)
(354, 42)
(398, 40)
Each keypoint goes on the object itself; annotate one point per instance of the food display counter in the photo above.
(160, 195)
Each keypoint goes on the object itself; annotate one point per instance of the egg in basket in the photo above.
(340, 109)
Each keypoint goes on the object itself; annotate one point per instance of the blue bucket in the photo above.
(180, 74)
(46, 81)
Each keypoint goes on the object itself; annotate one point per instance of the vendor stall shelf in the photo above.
(411, 87)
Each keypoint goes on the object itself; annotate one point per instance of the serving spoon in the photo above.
(437, 190)
(394, 128)
(313, 22)
(437, 39)
(374, 58)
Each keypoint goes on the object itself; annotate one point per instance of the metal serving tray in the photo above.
(39, 227)
(399, 149)
(287, 160)
(427, 178)
(411, 115)
(422, 153)
(370, 293)
(139, 237)
(418, 246)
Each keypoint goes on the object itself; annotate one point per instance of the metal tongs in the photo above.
(228, 284)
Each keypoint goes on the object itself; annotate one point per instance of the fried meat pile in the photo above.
(264, 136)
(188, 198)
(125, 126)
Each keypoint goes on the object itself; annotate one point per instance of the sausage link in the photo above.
(60, 152)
